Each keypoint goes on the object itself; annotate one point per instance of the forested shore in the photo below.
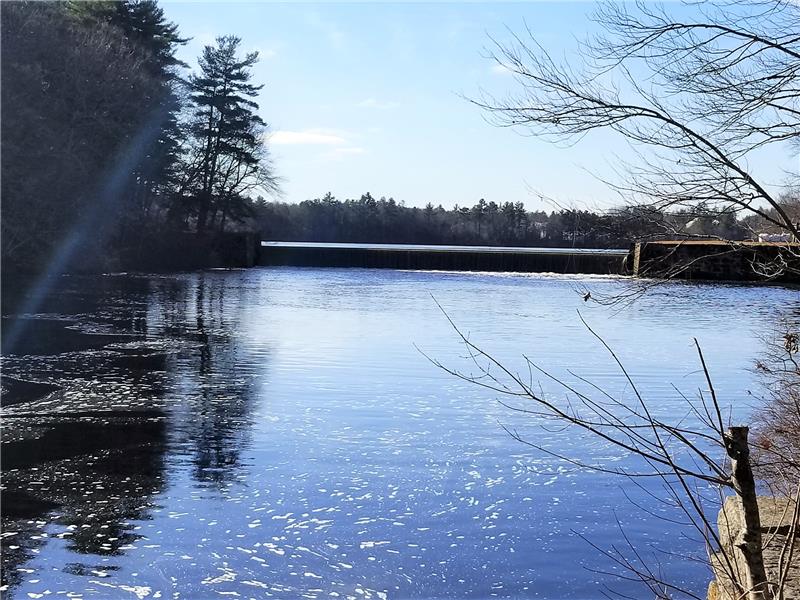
(111, 144)
(385, 220)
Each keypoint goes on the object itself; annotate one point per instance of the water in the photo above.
(279, 433)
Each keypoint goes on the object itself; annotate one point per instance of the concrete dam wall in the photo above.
(716, 260)
(445, 258)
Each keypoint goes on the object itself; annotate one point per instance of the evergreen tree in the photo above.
(154, 178)
(228, 157)
(144, 24)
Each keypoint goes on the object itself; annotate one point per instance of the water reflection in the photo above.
(217, 389)
(94, 398)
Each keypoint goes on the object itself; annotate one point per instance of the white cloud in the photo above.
(373, 103)
(337, 141)
(307, 137)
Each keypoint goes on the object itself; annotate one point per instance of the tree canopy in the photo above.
(111, 143)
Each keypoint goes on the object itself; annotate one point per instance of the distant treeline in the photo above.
(383, 220)
(110, 144)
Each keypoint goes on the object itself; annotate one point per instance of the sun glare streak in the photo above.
(95, 222)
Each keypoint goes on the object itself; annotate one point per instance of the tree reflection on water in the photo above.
(96, 398)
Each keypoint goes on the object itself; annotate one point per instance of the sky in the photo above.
(374, 97)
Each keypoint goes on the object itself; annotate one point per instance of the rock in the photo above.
(776, 521)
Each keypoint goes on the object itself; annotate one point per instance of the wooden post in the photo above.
(749, 539)
(637, 257)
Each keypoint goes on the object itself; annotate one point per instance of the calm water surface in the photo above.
(278, 433)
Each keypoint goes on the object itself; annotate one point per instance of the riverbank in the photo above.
(187, 251)
(165, 251)
(781, 546)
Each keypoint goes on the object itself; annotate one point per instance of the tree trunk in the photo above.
(749, 540)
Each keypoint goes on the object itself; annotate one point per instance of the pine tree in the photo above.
(228, 156)
(154, 178)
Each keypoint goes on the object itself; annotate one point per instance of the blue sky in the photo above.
(368, 97)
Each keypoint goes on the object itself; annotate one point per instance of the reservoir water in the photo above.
(279, 432)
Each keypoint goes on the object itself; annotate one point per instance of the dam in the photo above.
(445, 258)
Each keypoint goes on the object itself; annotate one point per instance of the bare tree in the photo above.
(700, 458)
(777, 422)
(698, 90)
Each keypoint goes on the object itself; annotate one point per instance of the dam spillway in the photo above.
(445, 258)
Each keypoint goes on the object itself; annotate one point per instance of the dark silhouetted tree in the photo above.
(227, 158)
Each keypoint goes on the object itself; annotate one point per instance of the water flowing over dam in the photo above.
(445, 258)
